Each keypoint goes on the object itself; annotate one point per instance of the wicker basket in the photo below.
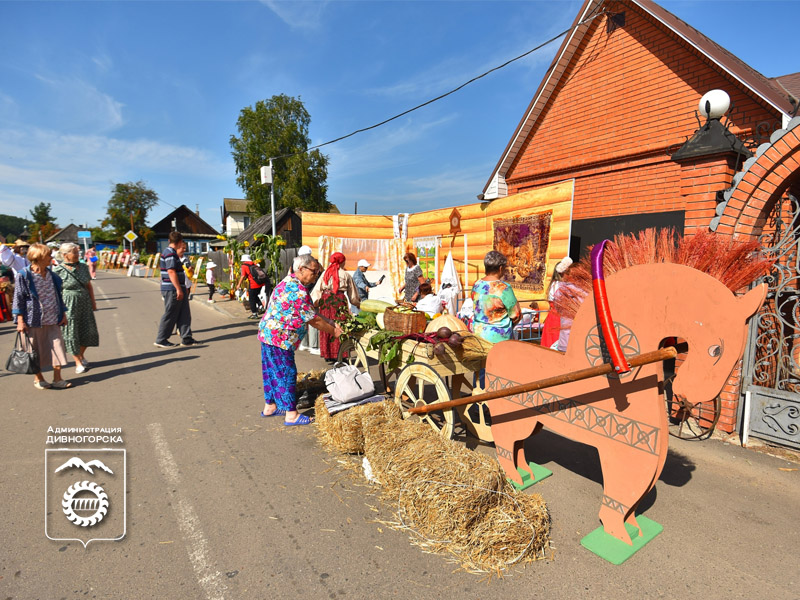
(405, 322)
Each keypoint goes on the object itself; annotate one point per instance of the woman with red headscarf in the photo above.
(331, 295)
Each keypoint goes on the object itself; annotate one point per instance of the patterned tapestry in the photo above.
(524, 241)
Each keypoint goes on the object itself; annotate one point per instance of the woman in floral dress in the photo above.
(80, 332)
(280, 331)
(496, 306)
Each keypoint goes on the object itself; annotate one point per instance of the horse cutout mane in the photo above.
(734, 264)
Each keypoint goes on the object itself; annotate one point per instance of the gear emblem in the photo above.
(85, 503)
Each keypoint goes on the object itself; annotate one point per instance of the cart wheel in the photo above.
(352, 353)
(420, 384)
(692, 421)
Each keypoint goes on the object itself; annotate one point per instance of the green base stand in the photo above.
(615, 551)
(539, 473)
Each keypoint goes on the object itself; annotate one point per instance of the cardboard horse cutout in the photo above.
(624, 416)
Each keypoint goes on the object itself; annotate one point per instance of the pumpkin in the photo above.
(449, 321)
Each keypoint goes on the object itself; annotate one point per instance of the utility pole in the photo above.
(266, 178)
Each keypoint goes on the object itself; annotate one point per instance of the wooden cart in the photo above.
(430, 379)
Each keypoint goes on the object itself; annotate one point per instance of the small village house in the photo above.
(235, 216)
(196, 232)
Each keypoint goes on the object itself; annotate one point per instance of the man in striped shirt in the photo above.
(176, 300)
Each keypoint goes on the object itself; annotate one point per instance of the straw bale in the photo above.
(344, 431)
(311, 381)
(455, 501)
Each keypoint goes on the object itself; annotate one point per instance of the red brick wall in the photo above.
(627, 98)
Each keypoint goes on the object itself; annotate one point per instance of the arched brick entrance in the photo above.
(763, 179)
(763, 203)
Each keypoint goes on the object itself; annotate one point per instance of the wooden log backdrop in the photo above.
(476, 223)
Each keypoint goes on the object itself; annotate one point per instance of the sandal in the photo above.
(278, 413)
(301, 420)
(61, 384)
(41, 385)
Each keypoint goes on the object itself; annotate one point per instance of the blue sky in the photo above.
(96, 93)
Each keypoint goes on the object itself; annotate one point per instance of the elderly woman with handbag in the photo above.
(280, 330)
(80, 331)
(40, 311)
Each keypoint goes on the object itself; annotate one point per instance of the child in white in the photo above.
(210, 281)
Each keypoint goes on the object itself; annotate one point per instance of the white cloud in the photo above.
(449, 187)
(380, 149)
(448, 74)
(75, 173)
(79, 105)
(103, 62)
(298, 15)
(9, 109)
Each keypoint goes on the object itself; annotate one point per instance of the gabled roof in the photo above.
(263, 224)
(187, 222)
(790, 83)
(234, 205)
(67, 234)
(748, 77)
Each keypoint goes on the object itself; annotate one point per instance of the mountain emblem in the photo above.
(77, 462)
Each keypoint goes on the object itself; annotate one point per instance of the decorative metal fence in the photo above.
(771, 371)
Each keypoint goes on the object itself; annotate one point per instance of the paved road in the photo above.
(224, 504)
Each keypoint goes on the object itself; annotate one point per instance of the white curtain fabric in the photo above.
(449, 295)
(400, 225)
(375, 252)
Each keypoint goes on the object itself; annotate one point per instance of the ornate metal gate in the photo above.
(771, 368)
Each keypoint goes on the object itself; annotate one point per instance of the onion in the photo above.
(455, 340)
(444, 333)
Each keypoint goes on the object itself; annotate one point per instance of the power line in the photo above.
(453, 91)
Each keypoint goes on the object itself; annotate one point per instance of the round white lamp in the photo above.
(714, 104)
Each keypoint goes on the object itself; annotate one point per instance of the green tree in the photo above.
(41, 214)
(43, 225)
(275, 128)
(130, 201)
(12, 225)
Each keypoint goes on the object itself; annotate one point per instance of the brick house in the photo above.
(616, 113)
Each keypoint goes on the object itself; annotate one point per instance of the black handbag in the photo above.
(22, 361)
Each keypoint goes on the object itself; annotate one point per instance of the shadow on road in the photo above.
(111, 362)
(229, 326)
(97, 377)
(583, 459)
(241, 334)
